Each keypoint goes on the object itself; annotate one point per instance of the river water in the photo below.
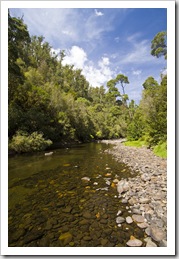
(50, 205)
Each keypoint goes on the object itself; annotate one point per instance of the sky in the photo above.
(103, 42)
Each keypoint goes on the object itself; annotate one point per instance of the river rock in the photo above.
(65, 238)
(122, 186)
(129, 220)
(163, 243)
(120, 220)
(138, 218)
(143, 225)
(157, 234)
(133, 201)
(87, 215)
(134, 242)
(87, 179)
(149, 242)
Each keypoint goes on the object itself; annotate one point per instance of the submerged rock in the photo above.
(87, 179)
(66, 238)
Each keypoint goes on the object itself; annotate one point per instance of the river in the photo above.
(50, 205)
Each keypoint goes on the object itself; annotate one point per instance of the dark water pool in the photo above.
(51, 206)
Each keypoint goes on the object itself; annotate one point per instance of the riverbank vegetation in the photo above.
(49, 102)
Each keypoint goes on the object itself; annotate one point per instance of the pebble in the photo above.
(129, 220)
(138, 218)
(134, 242)
(120, 220)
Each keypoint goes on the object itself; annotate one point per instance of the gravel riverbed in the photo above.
(146, 194)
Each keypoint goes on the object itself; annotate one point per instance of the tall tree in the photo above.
(159, 45)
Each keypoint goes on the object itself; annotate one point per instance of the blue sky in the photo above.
(103, 42)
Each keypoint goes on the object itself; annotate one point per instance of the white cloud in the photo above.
(98, 13)
(75, 56)
(95, 75)
(136, 72)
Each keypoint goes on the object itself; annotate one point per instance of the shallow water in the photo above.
(50, 205)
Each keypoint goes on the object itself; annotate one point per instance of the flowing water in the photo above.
(50, 205)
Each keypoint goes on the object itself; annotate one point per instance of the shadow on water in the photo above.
(50, 204)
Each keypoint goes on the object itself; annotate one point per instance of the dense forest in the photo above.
(49, 102)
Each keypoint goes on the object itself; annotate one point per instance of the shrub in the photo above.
(23, 142)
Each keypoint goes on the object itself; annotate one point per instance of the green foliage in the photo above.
(161, 149)
(22, 142)
(159, 46)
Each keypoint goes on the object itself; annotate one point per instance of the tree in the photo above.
(159, 45)
(18, 40)
(122, 79)
(150, 83)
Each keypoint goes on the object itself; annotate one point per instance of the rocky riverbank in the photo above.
(145, 195)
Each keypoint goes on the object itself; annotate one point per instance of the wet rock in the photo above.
(87, 215)
(13, 237)
(68, 209)
(65, 238)
(103, 242)
(138, 218)
(33, 235)
(87, 238)
(87, 179)
(134, 242)
(84, 222)
(129, 220)
(120, 220)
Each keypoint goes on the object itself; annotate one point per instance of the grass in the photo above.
(135, 143)
(161, 150)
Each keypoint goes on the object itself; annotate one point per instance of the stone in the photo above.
(137, 211)
(143, 225)
(163, 243)
(157, 234)
(65, 238)
(145, 177)
(144, 200)
(133, 201)
(87, 238)
(84, 222)
(134, 242)
(138, 218)
(68, 209)
(87, 215)
(119, 212)
(87, 179)
(122, 186)
(120, 220)
(149, 242)
(129, 220)
(103, 242)
(124, 201)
